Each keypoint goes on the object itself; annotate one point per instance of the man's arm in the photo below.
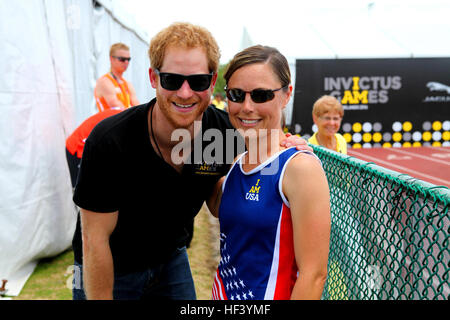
(213, 202)
(98, 268)
(133, 97)
(295, 141)
(107, 90)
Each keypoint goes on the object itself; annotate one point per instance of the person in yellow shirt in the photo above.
(112, 91)
(219, 102)
(327, 115)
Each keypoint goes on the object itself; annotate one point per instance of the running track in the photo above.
(430, 164)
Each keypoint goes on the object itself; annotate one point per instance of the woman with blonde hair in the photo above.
(327, 115)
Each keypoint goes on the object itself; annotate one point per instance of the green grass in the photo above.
(203, 254)
(50, 279)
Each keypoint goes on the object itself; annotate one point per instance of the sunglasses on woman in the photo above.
(174, 81)
(257, 95)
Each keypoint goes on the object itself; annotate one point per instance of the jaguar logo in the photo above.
(436, 86)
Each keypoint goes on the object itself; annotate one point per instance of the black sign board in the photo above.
(397, 100)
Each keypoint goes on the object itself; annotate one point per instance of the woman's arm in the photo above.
(306, 188)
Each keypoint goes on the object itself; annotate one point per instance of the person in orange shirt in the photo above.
(75, 142)
(111, 89)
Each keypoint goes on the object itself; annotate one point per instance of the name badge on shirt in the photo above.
(207, 169)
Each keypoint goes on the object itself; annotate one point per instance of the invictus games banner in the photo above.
(387, 102)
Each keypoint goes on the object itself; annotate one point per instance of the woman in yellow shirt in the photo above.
(327, 115)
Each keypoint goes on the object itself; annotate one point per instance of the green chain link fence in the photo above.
(389, 234)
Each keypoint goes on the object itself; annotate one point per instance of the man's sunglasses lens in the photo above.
(123, 59)
(257, 95)
(197, 82)
(171, 81)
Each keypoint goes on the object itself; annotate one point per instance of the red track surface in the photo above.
(430, 164)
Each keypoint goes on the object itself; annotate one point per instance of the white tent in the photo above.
(52, 53)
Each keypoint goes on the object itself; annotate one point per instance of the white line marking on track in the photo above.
(416, 173)
(447, 163)
(445, 149)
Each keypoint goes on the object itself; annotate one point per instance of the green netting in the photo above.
(389, 233)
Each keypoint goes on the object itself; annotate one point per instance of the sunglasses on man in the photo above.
(257, 95)
(122, 59)
(174, 81)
